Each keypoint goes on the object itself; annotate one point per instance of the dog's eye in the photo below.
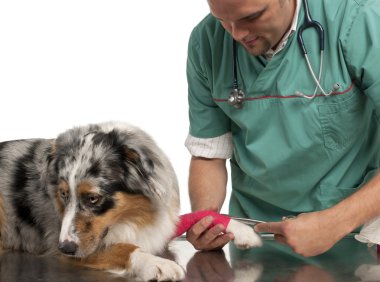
(64, 195)
(93, 199)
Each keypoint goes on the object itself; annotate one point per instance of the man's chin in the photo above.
(258, 49)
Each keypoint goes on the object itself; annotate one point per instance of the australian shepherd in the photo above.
(104, 194)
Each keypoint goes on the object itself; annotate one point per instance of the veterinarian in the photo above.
(302, 134)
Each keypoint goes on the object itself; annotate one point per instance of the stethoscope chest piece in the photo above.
(236, 98)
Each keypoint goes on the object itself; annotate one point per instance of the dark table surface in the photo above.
(347, 261)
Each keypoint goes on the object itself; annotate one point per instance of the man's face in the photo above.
(258, 25)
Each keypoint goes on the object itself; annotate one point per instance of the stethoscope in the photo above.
(237, 98)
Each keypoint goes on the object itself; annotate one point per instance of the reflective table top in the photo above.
(347, 261)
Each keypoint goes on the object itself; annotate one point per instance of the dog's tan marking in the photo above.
(114, 257)
(63, 187)
(85, 187)
(131, 154)
(135, 209)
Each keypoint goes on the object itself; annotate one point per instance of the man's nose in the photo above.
(238, 32)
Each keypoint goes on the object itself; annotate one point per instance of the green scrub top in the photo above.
(292, 154)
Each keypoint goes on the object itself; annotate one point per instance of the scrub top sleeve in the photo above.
(362, 50)
(207, 120)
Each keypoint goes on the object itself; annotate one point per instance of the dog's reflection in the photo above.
(19, 267)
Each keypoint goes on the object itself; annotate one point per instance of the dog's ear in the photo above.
(141, 176)
(52, 150)
(138, 160)
(50, 177)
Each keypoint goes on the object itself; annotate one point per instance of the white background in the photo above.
(72, 62)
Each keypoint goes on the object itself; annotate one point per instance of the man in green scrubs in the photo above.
(290, 154)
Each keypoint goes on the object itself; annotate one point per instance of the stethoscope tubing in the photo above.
(237, 96)
(310, 23)
(234, 65)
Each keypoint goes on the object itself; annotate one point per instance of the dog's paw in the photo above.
(245, 236)
(149, 267)
(248, 273)
(163, 270)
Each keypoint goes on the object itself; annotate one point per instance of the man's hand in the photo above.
(204, 238)
(209, 266)
(308, 234)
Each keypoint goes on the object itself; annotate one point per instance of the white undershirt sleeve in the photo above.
(220, 147)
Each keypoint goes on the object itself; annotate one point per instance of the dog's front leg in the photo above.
(126, 258)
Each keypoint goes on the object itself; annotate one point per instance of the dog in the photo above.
(104, 194)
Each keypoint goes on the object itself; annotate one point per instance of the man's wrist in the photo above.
(340, 220)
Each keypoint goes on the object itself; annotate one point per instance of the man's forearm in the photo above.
(207, 183)
(313, 233)
(360, 207)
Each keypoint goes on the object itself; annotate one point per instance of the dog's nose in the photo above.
(68, 247)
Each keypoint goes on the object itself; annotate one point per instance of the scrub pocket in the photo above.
(343, 119)
(330, 195)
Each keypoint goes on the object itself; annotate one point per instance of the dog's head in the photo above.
(101, 177)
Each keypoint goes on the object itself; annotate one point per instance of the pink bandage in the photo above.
(189, 219)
